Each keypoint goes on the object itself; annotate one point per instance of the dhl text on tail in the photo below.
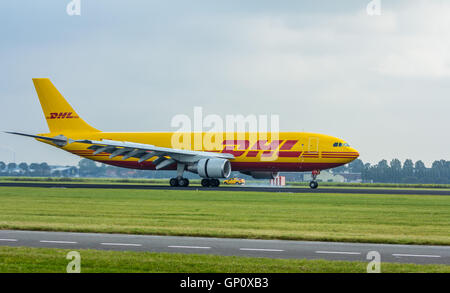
(243, 152)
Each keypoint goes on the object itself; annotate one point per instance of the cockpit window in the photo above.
(339, 144)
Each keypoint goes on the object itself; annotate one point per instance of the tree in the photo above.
(381, 172)
(87, 168)
(408, 172)
(2, 166)
(366, 173)
(356, 166)
(396, 170)
(12, 167)
(35, 169)
(420, 171)
(438, 171)
(45, 169)
(23, 167)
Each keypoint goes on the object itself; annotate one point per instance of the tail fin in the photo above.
(59, 114)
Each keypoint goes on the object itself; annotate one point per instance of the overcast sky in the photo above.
(382, 83)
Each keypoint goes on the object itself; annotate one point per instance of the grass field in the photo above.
(406, 219)
(45, 260)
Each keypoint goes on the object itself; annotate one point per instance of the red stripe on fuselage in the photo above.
(252, 154)
(287, 154)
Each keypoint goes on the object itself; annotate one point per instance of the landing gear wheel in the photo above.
(205, 182)
(215, 182)
(210, 182)
(173, 182)
(313, 184)
(183, 182)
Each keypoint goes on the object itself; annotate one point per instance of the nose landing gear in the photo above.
(313, 183)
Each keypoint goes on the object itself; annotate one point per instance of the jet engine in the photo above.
(212, 168)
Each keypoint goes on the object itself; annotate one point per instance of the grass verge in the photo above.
(50, 260)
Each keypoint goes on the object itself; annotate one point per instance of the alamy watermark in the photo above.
(74, 7)
(374, 265)
(374, 8)
(232, 134)
(74, 266)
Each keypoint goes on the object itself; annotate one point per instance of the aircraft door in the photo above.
(313, 144)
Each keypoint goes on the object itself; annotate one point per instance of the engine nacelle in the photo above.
(262, 174)
(214, 168)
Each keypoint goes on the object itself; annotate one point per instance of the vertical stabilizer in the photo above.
(59, 114)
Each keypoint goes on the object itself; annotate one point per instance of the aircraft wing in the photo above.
(166, 156)
(146, 151)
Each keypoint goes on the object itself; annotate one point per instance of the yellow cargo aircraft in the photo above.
(243, 152)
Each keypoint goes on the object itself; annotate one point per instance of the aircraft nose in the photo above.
(355, 152)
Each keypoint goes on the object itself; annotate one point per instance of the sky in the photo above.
(380, 82)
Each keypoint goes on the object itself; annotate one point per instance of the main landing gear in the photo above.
(184, 182)
(313, 183)
(179, 182)
(206, 182)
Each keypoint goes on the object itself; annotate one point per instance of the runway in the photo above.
(374, 190)
(283, 249)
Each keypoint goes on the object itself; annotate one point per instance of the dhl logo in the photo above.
(62, 115)
(283, 148)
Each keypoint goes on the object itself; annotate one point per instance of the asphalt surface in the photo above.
(283, 249)
(234, 188)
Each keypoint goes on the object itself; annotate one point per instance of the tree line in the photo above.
(85, 168)
(396, 172)
(36, 170)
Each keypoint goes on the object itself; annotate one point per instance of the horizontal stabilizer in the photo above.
(59, 140)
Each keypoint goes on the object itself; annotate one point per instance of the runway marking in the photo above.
(191, 247)
(261, 249)
(56, 241)
(121, 244)
(338, 252)
(415, 255)
(10, 240)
